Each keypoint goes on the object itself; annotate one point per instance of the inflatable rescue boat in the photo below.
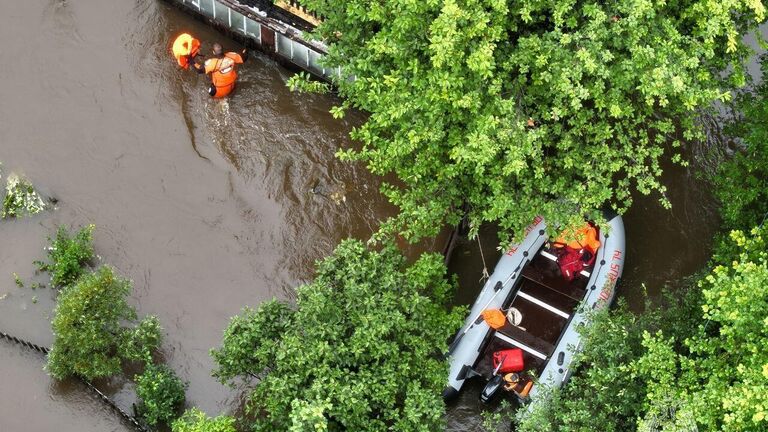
(540, 292)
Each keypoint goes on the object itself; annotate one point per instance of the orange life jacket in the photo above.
(583, 238)
(184, 47)
(223, 73)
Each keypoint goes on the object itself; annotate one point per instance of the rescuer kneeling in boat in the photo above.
(222, 68)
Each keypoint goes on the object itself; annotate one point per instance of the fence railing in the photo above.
(104, 398)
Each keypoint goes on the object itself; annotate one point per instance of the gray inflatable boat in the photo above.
(547, 308)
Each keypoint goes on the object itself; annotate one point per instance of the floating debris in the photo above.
(338, 197)
(21, 199)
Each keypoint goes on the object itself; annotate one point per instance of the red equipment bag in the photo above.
(511, 360)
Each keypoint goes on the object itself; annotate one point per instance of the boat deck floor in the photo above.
(546, 300)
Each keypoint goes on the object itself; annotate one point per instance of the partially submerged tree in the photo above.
(160, 393)
(510, 109)
(742, 181)
(721, 376)
(361, 350)
(88, 327)
(698, 364)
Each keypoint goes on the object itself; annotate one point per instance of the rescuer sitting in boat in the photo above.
(222, 68)
(513, 383)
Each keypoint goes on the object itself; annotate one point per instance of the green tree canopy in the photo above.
(360, 351)
(195, 420)
(512, 108)
(723, 370)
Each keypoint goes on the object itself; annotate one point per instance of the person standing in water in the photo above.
(222, 68)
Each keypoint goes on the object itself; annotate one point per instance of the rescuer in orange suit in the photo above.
(222, 68)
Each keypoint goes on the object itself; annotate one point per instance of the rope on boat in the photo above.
(485, 275)
(106, 399)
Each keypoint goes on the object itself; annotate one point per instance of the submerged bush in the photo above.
(69, 255)
(195, 420)
(21, 199)
(140, 342)
(87, 326)
(304, 83)
(91, 338)
(160, 393)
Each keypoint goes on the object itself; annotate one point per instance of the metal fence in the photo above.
(104, 398)
(274, 29)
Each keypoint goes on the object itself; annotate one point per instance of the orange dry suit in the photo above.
(576, 250)
(223, 72)
(185, 48)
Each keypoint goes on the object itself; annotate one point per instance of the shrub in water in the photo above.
(138, 343)
(195, 420)
(360, 351)
(160, 394)
(69, 255)
(87, 326)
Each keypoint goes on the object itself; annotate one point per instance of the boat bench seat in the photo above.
(523, 337)
(554, 282)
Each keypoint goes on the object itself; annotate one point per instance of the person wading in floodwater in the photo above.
(222, 68)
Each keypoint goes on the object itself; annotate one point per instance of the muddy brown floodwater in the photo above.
(207, 205)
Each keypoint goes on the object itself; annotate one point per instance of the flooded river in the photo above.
(207, 205)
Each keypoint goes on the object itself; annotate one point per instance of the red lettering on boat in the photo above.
(536, 221)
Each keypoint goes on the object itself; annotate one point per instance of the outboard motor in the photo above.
(491, 389)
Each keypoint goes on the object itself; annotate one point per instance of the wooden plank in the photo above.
(557, 284)
(521, 345)
(522, 336)
(542, 304)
